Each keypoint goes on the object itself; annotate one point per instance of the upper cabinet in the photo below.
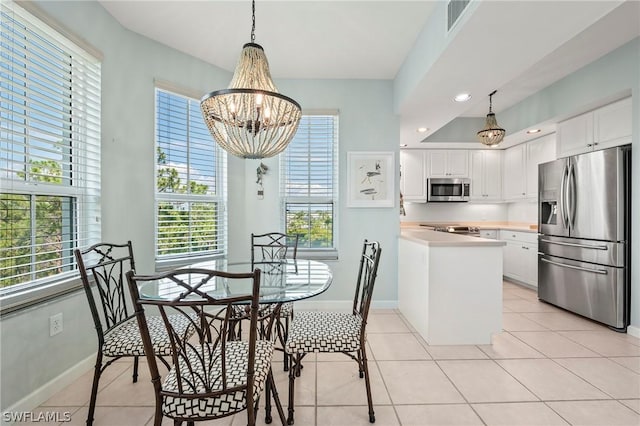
(486, 175)
(447, 163)
(539, 151)
(599, 129)
(413, 177)
(521, 167)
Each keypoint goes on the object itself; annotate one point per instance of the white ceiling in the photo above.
(517, 47)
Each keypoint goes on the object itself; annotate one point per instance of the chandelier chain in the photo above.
(253, 21)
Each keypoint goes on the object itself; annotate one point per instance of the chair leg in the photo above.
(276, 397)
(284, 340)
(365, 367)
(94, 387)
(135, 369)
(293, 369)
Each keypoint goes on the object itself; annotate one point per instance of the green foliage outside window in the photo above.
(21, 237)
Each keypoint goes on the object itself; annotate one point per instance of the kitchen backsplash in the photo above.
(525, 212)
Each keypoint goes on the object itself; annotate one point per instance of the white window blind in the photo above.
(49, 151)
(309, 187)
(190, 182)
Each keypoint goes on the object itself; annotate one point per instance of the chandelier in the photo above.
(492, 134)
(250, 119)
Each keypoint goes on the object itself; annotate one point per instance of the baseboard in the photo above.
(340, 305)
(633, 331)
(46, 391)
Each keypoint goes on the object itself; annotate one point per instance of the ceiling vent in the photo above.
(454, 11)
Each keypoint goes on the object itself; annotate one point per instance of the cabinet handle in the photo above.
(589, 145)
(595, 143)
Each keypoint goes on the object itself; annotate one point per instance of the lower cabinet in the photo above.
(520, 262)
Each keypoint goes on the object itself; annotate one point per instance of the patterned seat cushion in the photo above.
(324, 332)
(236, 364)
(125, 340)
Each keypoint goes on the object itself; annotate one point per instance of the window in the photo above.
(309, 186)
(190, 182)
(49, 152)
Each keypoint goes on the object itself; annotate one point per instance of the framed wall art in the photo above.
(370, 179)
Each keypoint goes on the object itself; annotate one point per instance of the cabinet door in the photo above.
(413, 181)
(612, 124)
(437, 163)
(512, 261)
(530, 260)
(539, 151)
(477, 174)
(492, 175)
(575, 136)
(458, 163)
(514, 173)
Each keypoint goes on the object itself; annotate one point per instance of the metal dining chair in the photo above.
(105, 265)
(274, 246)
(213, 375)
(344, 332)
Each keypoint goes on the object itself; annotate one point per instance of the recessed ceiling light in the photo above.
(462, 97)
(532, 131)
(422, 129)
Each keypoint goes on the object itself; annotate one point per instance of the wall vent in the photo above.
(454, 10)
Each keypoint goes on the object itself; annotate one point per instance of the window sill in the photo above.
(326, 254)
(168, 264)
(12, 300)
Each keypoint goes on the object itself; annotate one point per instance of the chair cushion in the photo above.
(236, 364)
(324, 332)
(125, 340)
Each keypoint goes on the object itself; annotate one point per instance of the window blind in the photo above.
(49, 150)
(190, 181)
(309, 181)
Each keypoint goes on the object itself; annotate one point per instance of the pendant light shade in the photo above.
(250, 119)
(491, 134)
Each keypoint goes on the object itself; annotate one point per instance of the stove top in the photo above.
(453, 228)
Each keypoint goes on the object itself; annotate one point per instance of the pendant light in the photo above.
(492, 134)
(250, 119)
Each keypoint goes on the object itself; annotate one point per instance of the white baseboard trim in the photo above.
(340, 305)
(633, 331)
(46, 391)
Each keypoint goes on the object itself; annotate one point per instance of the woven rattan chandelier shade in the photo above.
(250, 119)
(491, 134)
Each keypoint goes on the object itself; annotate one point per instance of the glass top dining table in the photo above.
(281, 281)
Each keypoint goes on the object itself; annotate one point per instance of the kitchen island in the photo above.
(450, 286)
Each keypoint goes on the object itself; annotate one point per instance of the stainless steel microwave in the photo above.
(452, 190)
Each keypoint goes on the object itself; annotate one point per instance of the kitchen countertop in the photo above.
(445, 239)
(508, 226)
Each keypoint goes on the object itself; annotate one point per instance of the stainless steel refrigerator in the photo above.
(584, 250)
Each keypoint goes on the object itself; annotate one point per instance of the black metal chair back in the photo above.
(273, 246)
(201, 369)
(107, 263)
(367, 275)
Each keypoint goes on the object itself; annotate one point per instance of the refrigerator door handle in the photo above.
(563, 196)
(587, 246)
(563, 265)
(571, 195)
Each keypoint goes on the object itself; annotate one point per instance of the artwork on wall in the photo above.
(370, 179)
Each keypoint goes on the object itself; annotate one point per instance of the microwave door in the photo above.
(596, 195)
(552, 198)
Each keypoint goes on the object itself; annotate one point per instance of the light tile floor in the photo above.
(548, 367)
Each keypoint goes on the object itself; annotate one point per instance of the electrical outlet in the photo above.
(55, 324)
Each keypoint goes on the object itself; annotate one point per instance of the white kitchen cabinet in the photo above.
(514, 177)
(486, 175)
(539, 151)
(447, 163)
(520, 262)
(413, 176)
(602, 128)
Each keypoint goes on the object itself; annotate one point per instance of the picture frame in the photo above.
(370, 179)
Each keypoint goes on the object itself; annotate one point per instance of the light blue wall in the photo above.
(131, 63)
